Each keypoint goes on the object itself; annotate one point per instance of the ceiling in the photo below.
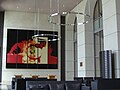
(43, 6)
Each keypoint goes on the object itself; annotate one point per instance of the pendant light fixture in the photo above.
(52, 36)
(53, 15)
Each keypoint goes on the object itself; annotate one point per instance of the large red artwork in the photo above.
(26, 51)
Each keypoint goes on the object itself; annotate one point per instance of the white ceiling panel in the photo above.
(43, 6)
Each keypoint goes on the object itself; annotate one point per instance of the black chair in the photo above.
(87, 81)
(78, 79)
(86, 88)
(105, 84)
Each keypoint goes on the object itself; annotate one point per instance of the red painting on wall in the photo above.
(24, 50)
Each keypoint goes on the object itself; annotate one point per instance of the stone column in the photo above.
(111, 26)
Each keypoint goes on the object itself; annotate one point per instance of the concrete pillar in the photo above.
(111, 25)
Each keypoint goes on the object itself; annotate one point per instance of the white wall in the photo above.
(111, 30)
(24, 20)
(89, 40)
(111, 25)
(84, 38)
(69, 48)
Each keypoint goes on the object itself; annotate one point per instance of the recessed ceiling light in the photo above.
(17, 7)
(29, 8)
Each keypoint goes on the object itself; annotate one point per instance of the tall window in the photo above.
(98, 35)
(75, 47)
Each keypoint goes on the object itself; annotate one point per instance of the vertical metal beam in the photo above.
(62, 28)
(1, 40)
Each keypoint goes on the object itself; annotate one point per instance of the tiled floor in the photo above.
(5, 87)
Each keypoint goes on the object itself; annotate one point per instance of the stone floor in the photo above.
(5, 87)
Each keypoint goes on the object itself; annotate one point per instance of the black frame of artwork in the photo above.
(14, 39)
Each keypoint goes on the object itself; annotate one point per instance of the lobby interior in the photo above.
(79, 39)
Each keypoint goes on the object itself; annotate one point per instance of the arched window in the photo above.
(97, 16)
(98, 35)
